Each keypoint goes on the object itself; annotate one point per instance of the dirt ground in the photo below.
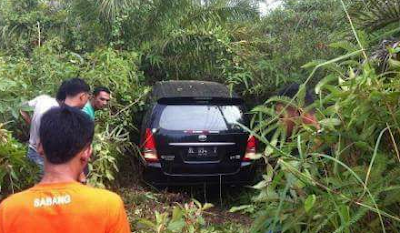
(142, 201)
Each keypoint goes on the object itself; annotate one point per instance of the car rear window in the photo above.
(201, 117)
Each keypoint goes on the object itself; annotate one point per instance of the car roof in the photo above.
(191, 89)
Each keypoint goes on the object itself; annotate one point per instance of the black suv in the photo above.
(192, 134)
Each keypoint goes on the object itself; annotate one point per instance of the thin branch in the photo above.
(354, 30)
(127, 107)
(394, 142)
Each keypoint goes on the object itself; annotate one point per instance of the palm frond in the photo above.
(222, 12)
(373, 15)
(105, 10)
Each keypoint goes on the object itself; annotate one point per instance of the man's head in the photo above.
(74, 92)
(101, 97)
(66, 134)
(293, 115)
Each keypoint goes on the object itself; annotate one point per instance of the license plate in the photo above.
(202, 151)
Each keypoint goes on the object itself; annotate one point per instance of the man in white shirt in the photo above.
(73, 92)
(40, 105)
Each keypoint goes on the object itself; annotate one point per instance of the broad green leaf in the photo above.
(177, 214)
(309, 203)
(176, 226)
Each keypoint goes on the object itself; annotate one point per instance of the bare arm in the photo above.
(24, 107)
(26, 117)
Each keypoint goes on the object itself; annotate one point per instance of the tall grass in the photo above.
(342, 178)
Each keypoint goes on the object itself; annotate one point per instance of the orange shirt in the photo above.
(63, 208)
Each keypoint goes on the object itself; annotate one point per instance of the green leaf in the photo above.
(362, 145)
(176, 226)
(147, 223)
(311, 64)
(260, 185)
(324, 82)
(177, 214)
(264, 109)
(345, 217)
(330, 122)
(246, 208)
(207, 206)
(394, 63)
(376, 96)
(309, 203)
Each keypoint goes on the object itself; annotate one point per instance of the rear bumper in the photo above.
(154, 175)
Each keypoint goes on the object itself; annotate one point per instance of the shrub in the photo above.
(24, 78)
(16, 172)
(344, 177)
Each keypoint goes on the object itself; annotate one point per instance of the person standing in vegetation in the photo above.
(59, 203)
(100, 99)
(73, 92)
(291, 115)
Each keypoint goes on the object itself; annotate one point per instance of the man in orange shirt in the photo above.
(59, 203)
(292, 117)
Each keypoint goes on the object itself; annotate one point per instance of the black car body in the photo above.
(192, 134)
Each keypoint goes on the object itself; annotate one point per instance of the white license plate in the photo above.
(202, 151)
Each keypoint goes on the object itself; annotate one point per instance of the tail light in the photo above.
(149, 147)
(250, 148)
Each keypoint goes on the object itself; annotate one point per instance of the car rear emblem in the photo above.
(202, 138)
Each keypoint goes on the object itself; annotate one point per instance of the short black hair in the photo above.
(292, 89)
(99, 89)
(72, 87)
(64, 132)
